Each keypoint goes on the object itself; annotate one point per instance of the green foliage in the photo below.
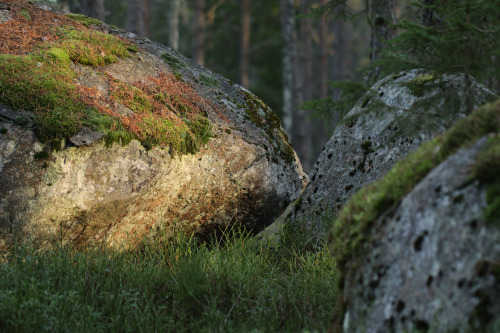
(351, 92)
(338, 9)
(169, 284)
(464, 37)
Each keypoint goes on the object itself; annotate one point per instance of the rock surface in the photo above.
(246, 174)
(392, 120)
(434, 263)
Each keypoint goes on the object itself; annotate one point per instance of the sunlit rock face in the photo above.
(86, 191)
(432, 264)
(393, 119)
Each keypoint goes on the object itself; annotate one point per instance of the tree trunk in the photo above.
(93, 8)
(199, 32)
(381, 16)
(427, 14)
(173, 23)
(287, 31)
(323, 44)
(321, 126)
(137, 16)
(301, 133)
(342, 56)
(74, 6)
(245, 43)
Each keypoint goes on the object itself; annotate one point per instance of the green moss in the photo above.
(91, 47)
(121, 137)
(201, 128)
(85, 20)
(486, 170)
(178, 76)
(418, 86)
(3, 130)
(417, 89)
(208, 80)
(263, 117)
(366, 100)
(135, 99)
(173, 61)
(59, 54)
(366, 146)
(24, 13)
(132, 48)
(352, 228)
(41, 155)
(45, 89)
(297, 204)
(424, 78)
(42, 82)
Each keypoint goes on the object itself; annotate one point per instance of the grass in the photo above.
(238, 284)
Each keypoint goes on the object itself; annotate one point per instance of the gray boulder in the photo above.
(419, 250)
(392, 120)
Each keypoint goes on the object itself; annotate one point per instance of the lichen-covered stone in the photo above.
(433, 263)
(244, 175)
(388, 123)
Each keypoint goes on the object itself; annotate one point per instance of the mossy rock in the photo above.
(434, 210)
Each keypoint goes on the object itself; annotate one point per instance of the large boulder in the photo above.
(390, 121)
(419, 250)
(105, 136)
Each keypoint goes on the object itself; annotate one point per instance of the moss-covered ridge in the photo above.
(351, 230)
(39, 78)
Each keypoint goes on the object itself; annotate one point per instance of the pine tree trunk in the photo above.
(199, 32)
(137, 16)
(75, 6)
(93, 8)
(173, 23)
(245, 43)
(320, 125)
(287, 31)
(381, 16)
(301, 132)
(323, 63)
(427, 14)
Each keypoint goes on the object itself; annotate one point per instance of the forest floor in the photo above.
(237, 284)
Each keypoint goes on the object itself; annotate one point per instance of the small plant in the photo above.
(85, 20)
(173, 61)
(208, 80)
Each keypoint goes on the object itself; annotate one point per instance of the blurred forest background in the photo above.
(288, 52)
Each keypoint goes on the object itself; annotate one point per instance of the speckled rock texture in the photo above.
(434, 262)
(87, 192)
(388, 123)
